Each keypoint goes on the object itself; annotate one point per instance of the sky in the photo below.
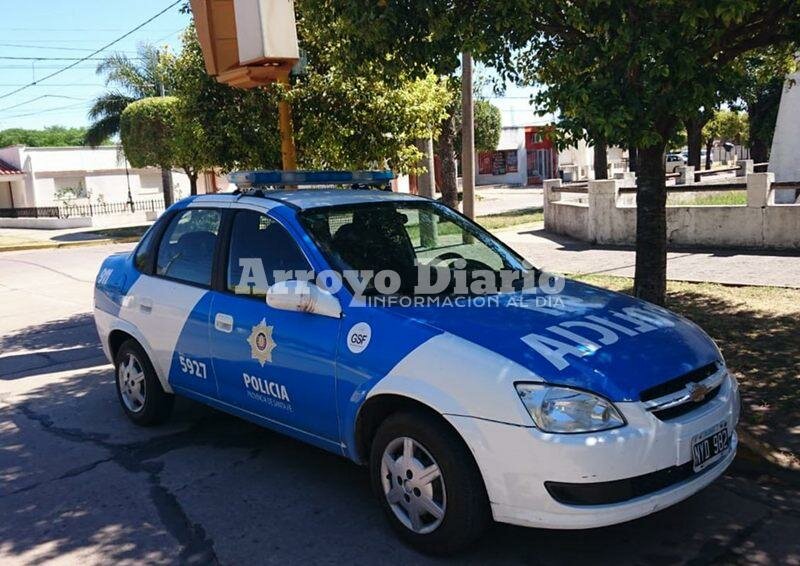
(69, 29)
(59, 32)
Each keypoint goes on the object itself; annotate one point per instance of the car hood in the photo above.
(585, 337)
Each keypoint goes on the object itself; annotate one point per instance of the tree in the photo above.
(52, 136)
(150, 74)
(488, 125)
(762, 77)
(345, 117)
(159, 132)
(725, 126)
(639, 68)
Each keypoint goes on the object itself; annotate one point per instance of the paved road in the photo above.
(80, 484)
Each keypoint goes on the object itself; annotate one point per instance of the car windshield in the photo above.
(410, 239)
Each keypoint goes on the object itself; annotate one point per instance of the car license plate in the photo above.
(710, 446)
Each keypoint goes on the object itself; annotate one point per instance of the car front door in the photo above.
(278, 365)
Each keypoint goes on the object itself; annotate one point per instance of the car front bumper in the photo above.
(517, 464)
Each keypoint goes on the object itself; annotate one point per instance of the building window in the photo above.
(498, 162)
(70, 188)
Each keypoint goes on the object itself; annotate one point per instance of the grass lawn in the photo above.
(511, 218)
(758, 331)
(727, 198)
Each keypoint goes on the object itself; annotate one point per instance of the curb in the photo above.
(768, 453)
(78, 244)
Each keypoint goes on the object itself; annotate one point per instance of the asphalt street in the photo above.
(81, 484)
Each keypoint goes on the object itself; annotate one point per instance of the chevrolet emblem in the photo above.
(697, 392)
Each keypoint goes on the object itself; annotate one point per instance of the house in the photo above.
(525, 155)
(40, 185)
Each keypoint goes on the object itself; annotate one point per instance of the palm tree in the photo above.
(130, 79)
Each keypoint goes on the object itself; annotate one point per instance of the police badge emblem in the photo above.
(261, 342)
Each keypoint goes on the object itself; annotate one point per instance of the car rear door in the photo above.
(275, 364)
(169, 302)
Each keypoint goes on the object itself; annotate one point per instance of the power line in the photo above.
(106, 46)
(73, 29)
(68, 106)
(79, 59)
(54, 47)
(57, 85)
(39, 98)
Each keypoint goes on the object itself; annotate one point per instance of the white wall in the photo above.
(784, 159)
(604, 218)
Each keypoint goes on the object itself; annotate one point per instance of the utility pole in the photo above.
(286, 131)
(426, 183)
(467, 137)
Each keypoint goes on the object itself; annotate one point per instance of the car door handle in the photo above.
(223, 322)
(146, 305)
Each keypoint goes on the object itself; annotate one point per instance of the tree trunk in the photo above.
(759, 150)
(166, 186)
(709, 147)
(447, 157)
(633, 158)
(651, 226)
(192, 181)
(694, 141)
(600, 159)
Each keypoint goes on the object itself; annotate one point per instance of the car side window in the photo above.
(261, 249)
(144, 253)
(186, 252)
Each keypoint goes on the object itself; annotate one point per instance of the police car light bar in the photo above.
(297, 178)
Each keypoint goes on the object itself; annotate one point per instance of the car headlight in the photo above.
(564, 410)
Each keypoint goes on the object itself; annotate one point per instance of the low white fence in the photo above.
(604, 212)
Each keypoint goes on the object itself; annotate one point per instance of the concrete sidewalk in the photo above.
(562, 254)
(16, 239)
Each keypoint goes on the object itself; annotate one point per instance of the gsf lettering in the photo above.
(588, 335)
(358, 339)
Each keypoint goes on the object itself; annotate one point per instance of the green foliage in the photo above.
(344, 117)
(727, 126)
(237, 128)
(630, 69)
(52, 136)
(147, 130)
(488, 125)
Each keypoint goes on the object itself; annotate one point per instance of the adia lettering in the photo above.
(604, 331)
(266, 387)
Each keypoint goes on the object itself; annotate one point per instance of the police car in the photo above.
(574, 409)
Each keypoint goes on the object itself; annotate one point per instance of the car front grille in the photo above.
(684, 394)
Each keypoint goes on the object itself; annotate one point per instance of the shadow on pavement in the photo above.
(71, 341)
(80, 480)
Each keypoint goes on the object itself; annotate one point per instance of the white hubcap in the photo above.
(413, 485)
(130, 379)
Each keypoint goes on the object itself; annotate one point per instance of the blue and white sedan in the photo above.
(538, 404)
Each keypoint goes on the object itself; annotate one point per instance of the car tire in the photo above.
(458, 493)
(138, 388)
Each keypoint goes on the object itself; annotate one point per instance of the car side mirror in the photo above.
(302, 296)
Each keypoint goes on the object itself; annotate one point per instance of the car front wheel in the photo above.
(428, 483)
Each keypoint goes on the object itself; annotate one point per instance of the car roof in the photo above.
(304, 199)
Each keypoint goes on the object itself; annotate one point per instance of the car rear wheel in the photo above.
(138, 389)
(428, 483)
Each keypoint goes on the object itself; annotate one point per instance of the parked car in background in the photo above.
(675, 160)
